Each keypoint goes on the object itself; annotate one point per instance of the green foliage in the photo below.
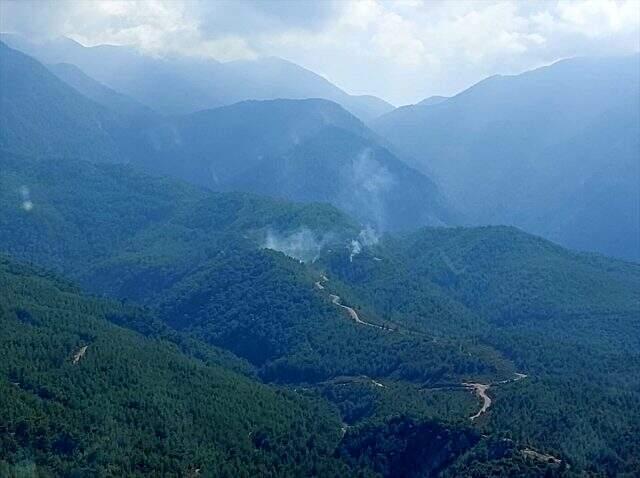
(402, 447)
(568, 320)
(455, 304)
(196, 257)
(133, 405)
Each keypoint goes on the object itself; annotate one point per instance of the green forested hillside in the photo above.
(198, 258)
(437, 308)
(568, 320)
(84, 397)
(150, 327)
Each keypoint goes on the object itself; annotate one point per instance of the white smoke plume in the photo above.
(371, 181)
(355, 248)
(303, 244)
(367, 237)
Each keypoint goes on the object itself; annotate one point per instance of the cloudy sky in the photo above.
(401, 50)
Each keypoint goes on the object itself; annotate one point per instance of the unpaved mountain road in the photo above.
(335, 299)
(543, 457)
(480, 389)
(359, 379)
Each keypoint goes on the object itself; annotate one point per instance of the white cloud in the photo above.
(597, 18)
(402, 50)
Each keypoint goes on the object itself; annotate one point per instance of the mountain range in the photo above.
(305, 150)
(181, 85)
(272, 288)
(553, 151)
(502, 152)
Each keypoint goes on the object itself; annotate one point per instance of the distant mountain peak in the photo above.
(183, 84)
(433, 100)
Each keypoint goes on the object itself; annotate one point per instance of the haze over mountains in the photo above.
(181, 85)
(96, 91)
(169, 308)
(305, 150)
(554, 151)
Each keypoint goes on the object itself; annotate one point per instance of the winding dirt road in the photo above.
(335, 299)
(480, 389)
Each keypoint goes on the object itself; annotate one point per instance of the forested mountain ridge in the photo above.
(185, 85)
(74, 365)
(305, 150)
(553, 151)
(201, 258)
(568, 320)
(40, 114)
(198, 259)
(83, 397)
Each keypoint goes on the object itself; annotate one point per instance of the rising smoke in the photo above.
(303, 244)
(371, 182)
(367, 237)
(306, 245)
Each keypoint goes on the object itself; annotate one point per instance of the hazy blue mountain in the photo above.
(156, 83)
(304, 150)
(433, 100)
(40, 114)
(368, 107)
(359, 177)
(554, 150)
(180, 85)
(273, 78)
(101, 94)
(307, 150)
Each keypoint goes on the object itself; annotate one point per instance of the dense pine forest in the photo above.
(267, 288)
(209, 291)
